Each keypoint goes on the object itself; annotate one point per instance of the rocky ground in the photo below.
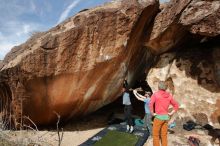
(76, 132)
(178, 137)
(74, 138)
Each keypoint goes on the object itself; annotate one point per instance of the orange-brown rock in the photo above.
(1, 64)
(79, 65)
(166, 31)
(180, 18)
(202, 17)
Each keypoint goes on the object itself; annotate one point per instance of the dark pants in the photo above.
(128, 115)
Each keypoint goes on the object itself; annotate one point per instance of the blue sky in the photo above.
(19, 18)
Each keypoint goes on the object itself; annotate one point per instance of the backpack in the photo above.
(190, 125)
(192, 141)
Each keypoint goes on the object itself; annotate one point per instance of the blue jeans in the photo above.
(147, 122)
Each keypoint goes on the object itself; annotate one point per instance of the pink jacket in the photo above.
(162, 100)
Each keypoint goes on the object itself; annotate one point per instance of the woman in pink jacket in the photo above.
(159, 105)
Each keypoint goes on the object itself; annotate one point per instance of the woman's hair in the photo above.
(162, 85)
(148, 93)
(125, 84)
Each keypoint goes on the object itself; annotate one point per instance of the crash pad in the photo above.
(115, 135)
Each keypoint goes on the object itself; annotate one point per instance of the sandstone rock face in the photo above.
(190, 74)
(1, 64)
(202, 17)
(193, 73)
(216, 58)
(166, 31)
(78, 66)
(178, 19)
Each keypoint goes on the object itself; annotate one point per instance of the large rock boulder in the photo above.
(1, 64)
(79, 65)
(202, 17)
(180, 19)
(190, 74)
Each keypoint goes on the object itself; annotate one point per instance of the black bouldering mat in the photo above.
(115, 135)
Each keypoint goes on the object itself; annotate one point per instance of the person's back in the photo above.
(162, 101)
(159, 105)
(126, 101)
(126, 98)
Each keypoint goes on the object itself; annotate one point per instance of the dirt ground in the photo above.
(75, 138)
(76, 132)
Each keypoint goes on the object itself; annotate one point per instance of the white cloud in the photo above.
(18, 20)
(21, 32)
(5, 48)
(25, 29)
(66, 12)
